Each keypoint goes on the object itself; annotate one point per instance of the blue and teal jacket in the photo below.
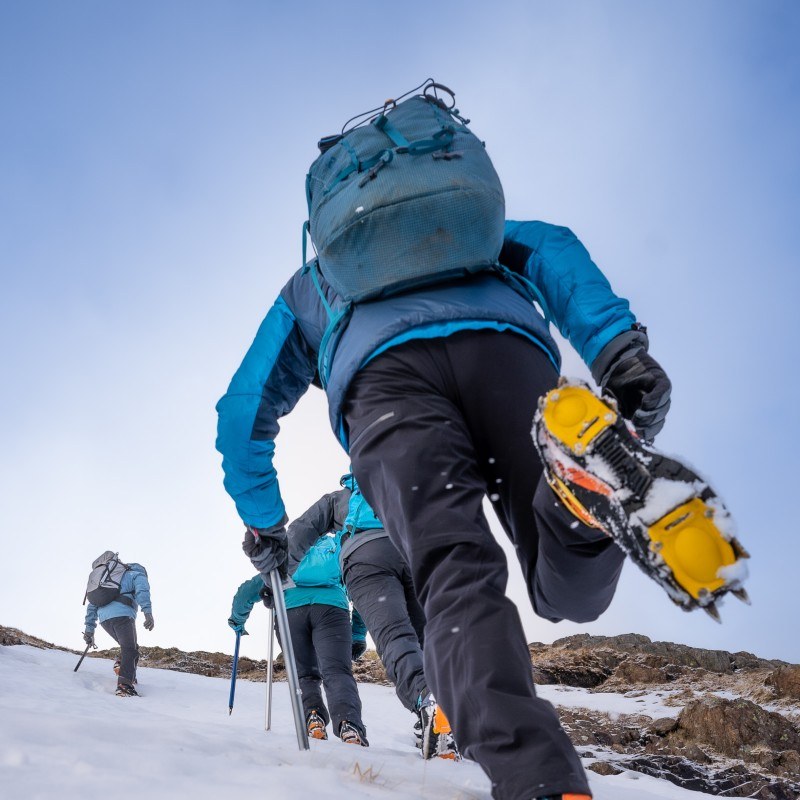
(283, 360)
(249, 593)
(345, 512)
(135, 587)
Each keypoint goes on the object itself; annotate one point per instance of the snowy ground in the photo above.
(66, 736)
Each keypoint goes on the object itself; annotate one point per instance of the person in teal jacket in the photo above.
(323, 640)
(118, 620)
(250, 592)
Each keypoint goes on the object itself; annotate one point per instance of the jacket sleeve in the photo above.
(577, 295)
(276, 371)
(247, 595)
(141, 592)
(90, 621)
(309, 526)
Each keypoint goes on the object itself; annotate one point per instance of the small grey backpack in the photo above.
(103, 586)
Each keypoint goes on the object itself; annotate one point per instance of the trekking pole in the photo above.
(84, 655)
(270, 663)
(233, 672)
(288, 655)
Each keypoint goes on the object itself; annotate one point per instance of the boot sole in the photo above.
(659, 511)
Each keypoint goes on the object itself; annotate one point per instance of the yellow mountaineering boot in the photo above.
(667, 518)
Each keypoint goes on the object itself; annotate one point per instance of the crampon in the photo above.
(667, 518)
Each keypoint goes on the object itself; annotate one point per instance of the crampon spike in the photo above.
(741, 594)
(713, 612)
(739, 549)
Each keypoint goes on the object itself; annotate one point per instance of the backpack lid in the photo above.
(103, 559)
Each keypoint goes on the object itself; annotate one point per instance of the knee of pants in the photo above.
(449, 573)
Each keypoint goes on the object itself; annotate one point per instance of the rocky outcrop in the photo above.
(737, 728)
(785, 681)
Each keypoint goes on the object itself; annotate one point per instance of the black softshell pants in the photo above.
(322, 642)
(123, 631)
(434, 426)
(378, 581)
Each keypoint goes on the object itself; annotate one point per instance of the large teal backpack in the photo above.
(320, 565)
(404, 198)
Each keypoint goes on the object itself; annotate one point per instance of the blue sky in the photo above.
(152, 163)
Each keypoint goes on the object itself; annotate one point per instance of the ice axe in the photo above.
(233, 672)
(270, 664)
(91, 644)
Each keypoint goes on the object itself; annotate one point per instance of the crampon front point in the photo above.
(659, 511)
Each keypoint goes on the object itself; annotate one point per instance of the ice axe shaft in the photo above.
(233, 672)
(270, 665)
(92, 644)
(288, 654)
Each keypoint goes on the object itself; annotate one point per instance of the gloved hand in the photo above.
(88, 637)
(237, 626)
(359, 648)
(149, 622)
(636, 380)
(267, 549)
(266, 595)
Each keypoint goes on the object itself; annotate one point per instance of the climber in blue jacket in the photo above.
(432, 391)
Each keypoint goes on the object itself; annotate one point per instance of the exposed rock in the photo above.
(785, 681)
(12, 636)
(734, 727)
(679, 654)
(604, 768)
(587, 670)
(663, 726)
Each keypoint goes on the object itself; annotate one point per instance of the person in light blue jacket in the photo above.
(118, 620)
(432, 392)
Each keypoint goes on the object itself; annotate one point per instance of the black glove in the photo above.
(149, 623)
(636, 380)
(88, 637)
(359, 648)
(266, 596)
(267, 549)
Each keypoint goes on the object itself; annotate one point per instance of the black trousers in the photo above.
(123, 631)
(322, 642)
(435, 425)
(379, 583)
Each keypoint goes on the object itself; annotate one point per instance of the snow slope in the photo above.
(65, 735)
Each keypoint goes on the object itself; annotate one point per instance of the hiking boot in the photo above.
(349, 734)
(316, 726)
(418, 733)
(569, 796)
(116, 666)
(667, 519)
(437, 737)
(126, 690)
